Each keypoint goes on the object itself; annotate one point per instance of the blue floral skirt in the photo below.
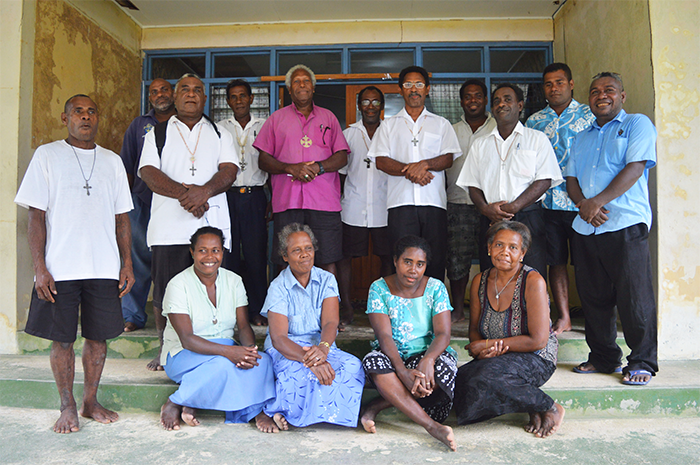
(304, 401)
(213, 382)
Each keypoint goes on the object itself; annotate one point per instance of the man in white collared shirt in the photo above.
(463, 218)
(414, 148)
(364, 198)
(247, 201)
(508, 172)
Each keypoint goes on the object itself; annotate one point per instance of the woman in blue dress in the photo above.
(411, 365)
(203, 305)
(315, 381)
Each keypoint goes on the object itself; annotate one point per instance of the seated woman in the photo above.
(315, 381)
(203, 305)
(514, 348)
(411, 365)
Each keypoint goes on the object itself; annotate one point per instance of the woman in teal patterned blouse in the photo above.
(412, 366)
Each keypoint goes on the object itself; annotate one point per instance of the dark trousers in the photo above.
(430, 223)
(249, 239)
(536, 257)
(612, 269)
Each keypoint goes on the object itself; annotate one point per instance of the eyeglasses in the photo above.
(374, 103)
(408, 85)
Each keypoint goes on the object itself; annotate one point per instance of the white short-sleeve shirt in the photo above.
(249, 172)
(170, 224)
(81, 241)
(406, 141)
(503, 169)
(364, 192)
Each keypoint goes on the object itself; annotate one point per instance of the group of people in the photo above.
(190, 208)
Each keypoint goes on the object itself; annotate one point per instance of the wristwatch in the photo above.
(320, 168)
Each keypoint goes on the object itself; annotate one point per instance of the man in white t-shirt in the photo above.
(189, 177)
(78, 198)
(508, 172)
(247, 200)
(414, 148)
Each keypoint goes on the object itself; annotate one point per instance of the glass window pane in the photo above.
(452, 61)
(230, 66)
(175, 67)
(220, 109)
(533, 92)
(444, 101)
(320, 63)
(517, 61)
(380, 61)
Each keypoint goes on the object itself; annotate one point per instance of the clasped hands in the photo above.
(244, 357)
(304, 171)
(592, 212)
(195, 199)
(420, 381)
(498, 211)
(482, 349)
(418, 173)
(316, 360)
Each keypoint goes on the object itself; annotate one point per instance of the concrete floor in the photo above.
(137, 438)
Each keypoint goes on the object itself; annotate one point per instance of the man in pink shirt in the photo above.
(302, 147)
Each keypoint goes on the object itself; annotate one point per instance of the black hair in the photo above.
(206, 230)
(70, 100)
(508, 225)
(518, 91)
(238, 83)
(411, 241)
(473, 82)
(558, 67)
(376, 89)
(414, 69)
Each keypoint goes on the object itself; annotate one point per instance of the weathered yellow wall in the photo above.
(250, 35)
(675, 52)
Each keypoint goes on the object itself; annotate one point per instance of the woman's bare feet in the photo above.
(280, 421)
(458, 316)
(68, 421)
(443, 434)
(266, 424)
(170, 416)
(188, 416)
(154, 365)
(551, 420)
(98, 413)
(561, 325)
(535, 423)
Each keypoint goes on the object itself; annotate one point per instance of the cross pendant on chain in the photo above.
(87, 187)
(415, 141)
(193, 169)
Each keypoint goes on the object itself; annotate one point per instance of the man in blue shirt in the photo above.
(160, 96)
(607, 177)
(561, 120)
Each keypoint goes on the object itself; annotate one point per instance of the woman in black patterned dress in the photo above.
(511, 340)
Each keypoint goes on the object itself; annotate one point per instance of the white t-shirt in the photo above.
(528, 156)
(249, 172)
(364, 193)
(456, 194)
(406, 141)
(171, 224)
(81, 241)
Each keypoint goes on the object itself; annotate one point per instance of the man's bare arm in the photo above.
(196, 197)
(126, 274)
(390, 166)
(160, 183)
(492, 211)
(45, 285)
(529, 196)
(333, 163)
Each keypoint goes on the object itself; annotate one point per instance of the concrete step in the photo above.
(26, 381)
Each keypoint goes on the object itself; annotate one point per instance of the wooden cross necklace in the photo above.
(241, 144)
(87, 186)
(192, 152)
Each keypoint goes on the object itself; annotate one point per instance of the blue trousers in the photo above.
(134, 303)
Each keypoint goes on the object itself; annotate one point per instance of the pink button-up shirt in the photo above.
(291, 138)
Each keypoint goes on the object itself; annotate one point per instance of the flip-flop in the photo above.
(632, 373)
(577, 369)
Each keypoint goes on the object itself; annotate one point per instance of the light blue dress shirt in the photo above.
(599, 154)
(561, 130)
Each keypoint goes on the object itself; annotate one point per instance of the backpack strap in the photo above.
(216, 128)
(161, 129)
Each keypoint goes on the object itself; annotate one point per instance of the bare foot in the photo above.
(457, 316)
(562, 324)
(347, 315)
(280, 421)
(170, 416)
(551, 420)
(367, 419)
(535, 423)
(188, 416)
(259, 320)
(443, 434)
(98, 413)
(130, 326)
(154, 365)
(266, 424)
(67, 422)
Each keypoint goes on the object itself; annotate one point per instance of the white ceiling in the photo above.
(161, 13)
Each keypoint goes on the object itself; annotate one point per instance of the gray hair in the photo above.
(291, 228)
(609, 74)
(293, 69)
(185, 76)
(507, 225)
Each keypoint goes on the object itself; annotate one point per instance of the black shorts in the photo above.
(96, 300)
(356, 241)
(326, 226)
(166, 262)
(559, 233)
